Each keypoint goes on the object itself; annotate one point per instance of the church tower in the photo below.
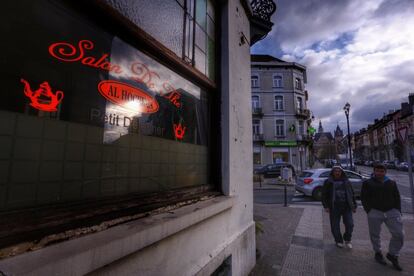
(320, 129)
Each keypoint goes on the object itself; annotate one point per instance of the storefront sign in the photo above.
(139, 71)
(127, 96)
(43, 98)
(281, 143)
(67, 52)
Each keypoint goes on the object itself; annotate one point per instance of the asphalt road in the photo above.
(276, 196)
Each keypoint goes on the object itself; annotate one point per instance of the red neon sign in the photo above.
(174, 98)
(179, 131)
(128, 96)
(65, 51)
(43, 98)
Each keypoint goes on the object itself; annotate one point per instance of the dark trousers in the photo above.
(335, 215)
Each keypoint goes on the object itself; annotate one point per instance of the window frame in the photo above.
(282, 127)
(100, 210)
(298, 83)
(259, 104)
(253, 79)
(275, 79)
(282, 102)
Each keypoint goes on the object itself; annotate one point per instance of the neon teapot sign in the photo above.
(43, 98)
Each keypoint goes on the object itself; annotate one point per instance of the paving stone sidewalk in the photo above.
(297, 241)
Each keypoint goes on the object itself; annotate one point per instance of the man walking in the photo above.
(381, 200)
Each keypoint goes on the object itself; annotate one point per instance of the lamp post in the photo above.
(346, 109)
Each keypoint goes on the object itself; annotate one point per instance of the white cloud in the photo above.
(372, 66)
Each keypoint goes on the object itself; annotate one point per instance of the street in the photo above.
(274, 194)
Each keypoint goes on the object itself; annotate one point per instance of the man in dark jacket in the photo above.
(338, 199)
(381, 200)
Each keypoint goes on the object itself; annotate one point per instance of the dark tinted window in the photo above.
(325, 174)
(85, 114)
(306, 174)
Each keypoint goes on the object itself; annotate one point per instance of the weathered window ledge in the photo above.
(96, 250)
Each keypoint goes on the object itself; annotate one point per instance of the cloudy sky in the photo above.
(356, 51)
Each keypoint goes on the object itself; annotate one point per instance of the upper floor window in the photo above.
(277, 81)
(299, 103)
(255, 81)
(298, 83)
(255, 102)
(278, 102)
(280, 128)
(301, 128)
(256, 127)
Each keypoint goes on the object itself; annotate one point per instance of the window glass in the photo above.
(257, 158)
(277, 81)
(87, 115)
(174, 26)
(280, 128)
(298, 83)
(278, 102)
(255, 81)
(306, 174)
(325, 174)
(255, 101)
(142, 14)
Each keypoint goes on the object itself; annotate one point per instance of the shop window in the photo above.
(88, 116)
(187, 27)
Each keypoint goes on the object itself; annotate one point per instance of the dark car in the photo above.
(274, 170)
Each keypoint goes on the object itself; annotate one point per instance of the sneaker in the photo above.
(394, 261)
(340, 244)
(379, 258)
(348, 244)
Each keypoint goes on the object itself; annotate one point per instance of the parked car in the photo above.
(389, 164)
(274, 170)
(329, 163)
(403, 166)
(368, 163)
(310, 182)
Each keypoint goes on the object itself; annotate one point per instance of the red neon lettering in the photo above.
(67, 52)
(144, 74)
(179, 131)
(43, 98)
(174, 98)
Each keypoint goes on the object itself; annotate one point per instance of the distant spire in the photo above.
(320, 129)
(338, 132)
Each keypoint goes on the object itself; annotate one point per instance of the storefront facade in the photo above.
(124, 144)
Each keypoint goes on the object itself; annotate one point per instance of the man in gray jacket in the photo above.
(381, 200)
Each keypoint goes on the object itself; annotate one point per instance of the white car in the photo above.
(310, 182)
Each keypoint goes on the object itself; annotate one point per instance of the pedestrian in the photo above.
(381, 200)
(339, 201)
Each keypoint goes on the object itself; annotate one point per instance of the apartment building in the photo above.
(280, 114)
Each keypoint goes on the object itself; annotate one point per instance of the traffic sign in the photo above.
(403, 133)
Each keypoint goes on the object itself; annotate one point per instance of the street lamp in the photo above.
(346, 109)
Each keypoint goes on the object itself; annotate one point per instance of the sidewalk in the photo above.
(297, 241)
